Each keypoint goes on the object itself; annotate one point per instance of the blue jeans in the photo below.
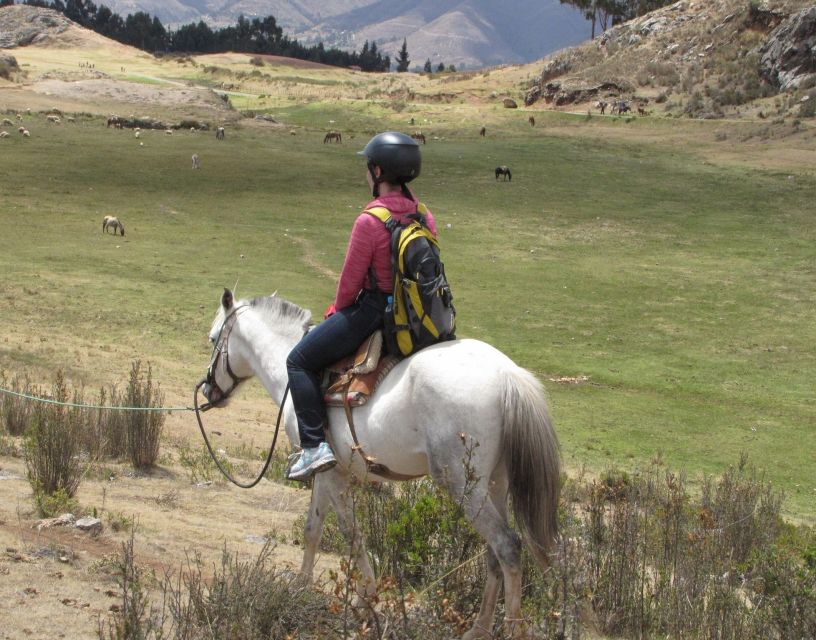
(336, 337)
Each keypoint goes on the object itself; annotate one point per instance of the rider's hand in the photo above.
(330, 310)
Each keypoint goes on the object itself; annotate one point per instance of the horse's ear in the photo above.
(227, 299)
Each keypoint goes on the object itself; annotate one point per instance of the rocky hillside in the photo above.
(699, 58)
(22, 25)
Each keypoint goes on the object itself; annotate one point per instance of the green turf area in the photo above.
(683, 291)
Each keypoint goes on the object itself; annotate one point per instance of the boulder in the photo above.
(88, 524)
(509, 103)
(9, 61)
(789, 55)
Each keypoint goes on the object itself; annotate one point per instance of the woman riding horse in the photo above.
(359, 305)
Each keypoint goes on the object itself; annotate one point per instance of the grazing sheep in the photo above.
(219, 133)
(168, 132)
(531, 120)
(53, 118)
(19, 117)
(71, 119)
(137, 133)
(504, 171)
(4, 134)
(26, 133)
(7, 122)
(482, 131)
(195, 161)
(20, 129)
(112, 222)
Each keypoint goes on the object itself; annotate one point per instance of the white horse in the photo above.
(460, 411)
(112, 222)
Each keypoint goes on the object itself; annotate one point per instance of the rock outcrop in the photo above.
(789, 56)
(24, 25)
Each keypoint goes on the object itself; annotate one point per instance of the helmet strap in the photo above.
(406, 191)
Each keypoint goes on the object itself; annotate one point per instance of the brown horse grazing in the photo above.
(112, 222)
(531, 120)
(418, 135)
(504, 171)
(641, 108)
(333, 135)
(482, 131)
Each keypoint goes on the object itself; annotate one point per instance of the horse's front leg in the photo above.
(341, 493)
(313, 529)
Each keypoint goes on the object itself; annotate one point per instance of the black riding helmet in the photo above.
(397, 156)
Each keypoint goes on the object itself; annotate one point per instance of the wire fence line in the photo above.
(78, 405)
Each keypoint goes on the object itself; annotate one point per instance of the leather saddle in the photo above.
(351, 380)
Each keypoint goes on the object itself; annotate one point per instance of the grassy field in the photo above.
(676, 292)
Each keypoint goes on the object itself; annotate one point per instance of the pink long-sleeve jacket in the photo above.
(370, 246)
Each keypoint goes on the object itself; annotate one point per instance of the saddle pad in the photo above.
(361, 387)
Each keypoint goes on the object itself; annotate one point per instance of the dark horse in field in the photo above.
(504, 171)
(333, 135)
(419, 136)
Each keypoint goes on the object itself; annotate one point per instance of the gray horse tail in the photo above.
(533, 461)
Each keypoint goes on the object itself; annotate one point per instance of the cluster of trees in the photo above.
(258, 35)
(604, 13)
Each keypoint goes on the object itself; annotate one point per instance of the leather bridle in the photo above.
(221, 350)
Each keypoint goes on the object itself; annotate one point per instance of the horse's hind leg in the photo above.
(486, 509)
(482, 628)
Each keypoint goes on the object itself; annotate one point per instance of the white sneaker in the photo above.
(311, 460)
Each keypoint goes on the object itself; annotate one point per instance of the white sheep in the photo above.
(4, 134)
(195, 161)
(137, 133)
(26, 133)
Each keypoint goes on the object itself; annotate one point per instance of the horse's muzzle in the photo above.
(212, 393)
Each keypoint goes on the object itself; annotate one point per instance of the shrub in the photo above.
(52, 447)
(257, 61)
(144, 428)
(14, 410)
(251, 600)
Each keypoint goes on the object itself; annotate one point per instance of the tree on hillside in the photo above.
(6, 3)
(440, 67)
(427, 68)
(605, 13)
(402, 58)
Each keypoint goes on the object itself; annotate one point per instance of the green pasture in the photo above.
(679, 295)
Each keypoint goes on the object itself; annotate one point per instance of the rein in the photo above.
(221, 468)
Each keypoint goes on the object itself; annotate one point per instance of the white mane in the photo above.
(280, 315)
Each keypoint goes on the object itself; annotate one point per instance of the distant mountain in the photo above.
(467, 33)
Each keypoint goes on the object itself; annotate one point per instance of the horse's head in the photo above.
(221, 379)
